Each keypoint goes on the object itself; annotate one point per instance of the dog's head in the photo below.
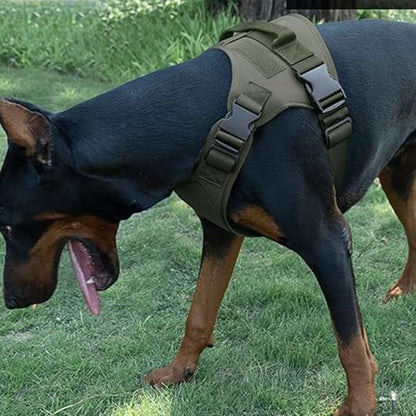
(45, 204)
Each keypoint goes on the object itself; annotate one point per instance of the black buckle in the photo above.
(239, 122)
(320, 86)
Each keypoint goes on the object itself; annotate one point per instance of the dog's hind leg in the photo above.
(219, 255)
(398, 180)
(328, 255)
(319, 233)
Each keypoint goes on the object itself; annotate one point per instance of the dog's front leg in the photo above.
(219, 255)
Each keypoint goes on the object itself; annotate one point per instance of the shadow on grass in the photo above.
(52, 91)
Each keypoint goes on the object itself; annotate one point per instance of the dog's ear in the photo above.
(29, 129)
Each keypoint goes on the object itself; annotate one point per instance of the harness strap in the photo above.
(325, 92)
(228, 144)
(230, 139)
(236, 129)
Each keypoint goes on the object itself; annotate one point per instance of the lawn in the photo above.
(110, 42)
(274, 353)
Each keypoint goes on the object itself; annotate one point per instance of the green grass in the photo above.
(274, 354)
(91, 40)
(114, 40)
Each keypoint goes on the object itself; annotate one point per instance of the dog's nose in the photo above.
(11, 302)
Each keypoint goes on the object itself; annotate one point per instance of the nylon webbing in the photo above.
(280, 40)
(227, 147)
(263, 85)
(332, 113)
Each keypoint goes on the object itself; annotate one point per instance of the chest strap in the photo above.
(252, 105)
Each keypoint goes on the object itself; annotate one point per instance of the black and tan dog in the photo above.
(72, 176)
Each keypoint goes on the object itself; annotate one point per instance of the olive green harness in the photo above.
(275, 65)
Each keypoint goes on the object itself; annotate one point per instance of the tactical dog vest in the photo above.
(275, 65)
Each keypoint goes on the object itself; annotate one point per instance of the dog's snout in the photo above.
(11, 302)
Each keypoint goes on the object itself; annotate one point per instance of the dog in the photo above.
(72, 176)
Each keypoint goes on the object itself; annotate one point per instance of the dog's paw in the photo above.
(399, 289)
(405, 285)
(346, 410)
(393, 293)
(169, 375)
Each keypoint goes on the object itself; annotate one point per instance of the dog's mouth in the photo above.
(93, 272)
(30, 274)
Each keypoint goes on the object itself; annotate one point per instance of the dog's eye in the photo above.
(6, 230)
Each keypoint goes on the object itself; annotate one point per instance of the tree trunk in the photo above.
(270, 9)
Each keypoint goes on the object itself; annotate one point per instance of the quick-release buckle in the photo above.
(325, 92)
(239, 121)
(232, 133)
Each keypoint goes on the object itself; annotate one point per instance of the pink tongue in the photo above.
(84, 271)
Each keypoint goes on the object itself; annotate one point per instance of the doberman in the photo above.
(72, 176)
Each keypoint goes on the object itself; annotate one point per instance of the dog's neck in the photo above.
(142, 139)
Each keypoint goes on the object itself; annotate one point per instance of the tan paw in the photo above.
(357, 410)
(393, 293)
(169, 375)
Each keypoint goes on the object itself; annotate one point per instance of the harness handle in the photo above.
(281, 34)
